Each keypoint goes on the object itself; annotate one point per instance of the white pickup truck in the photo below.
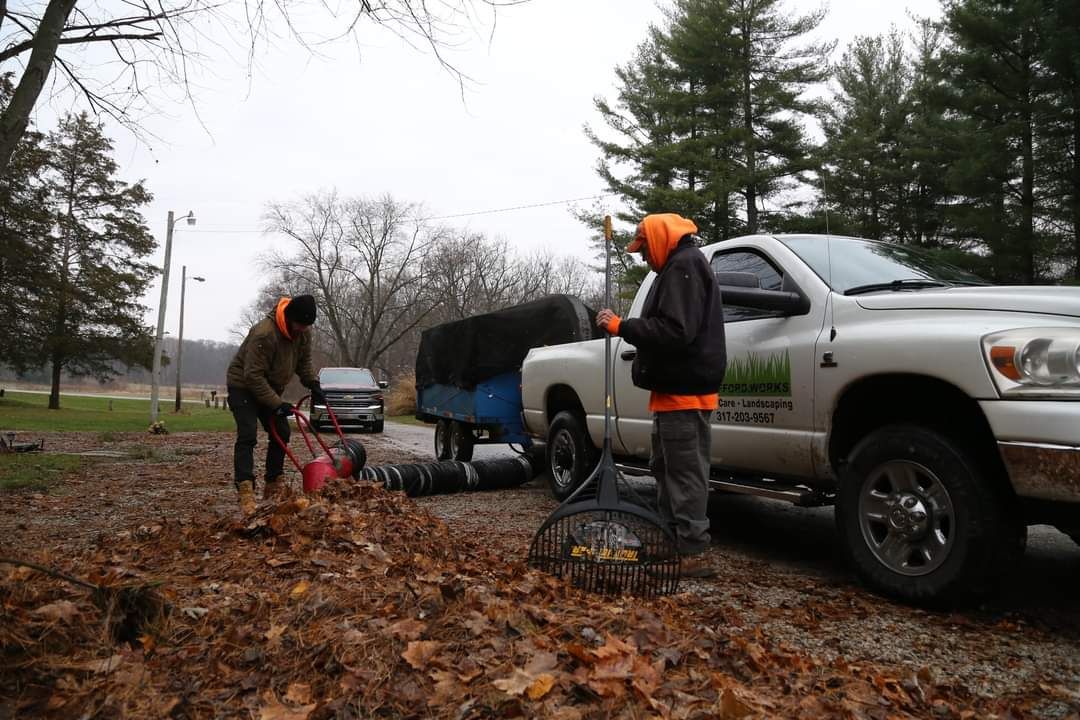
(940, 415)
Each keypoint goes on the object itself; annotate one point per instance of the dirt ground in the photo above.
(781, 585)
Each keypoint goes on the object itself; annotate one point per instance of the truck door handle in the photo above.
(628, 354)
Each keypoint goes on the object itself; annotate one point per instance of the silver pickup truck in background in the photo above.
(940, 415)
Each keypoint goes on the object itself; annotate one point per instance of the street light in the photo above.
(180, 337)
(155, 387)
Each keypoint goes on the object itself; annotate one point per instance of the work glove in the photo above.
(284, 409)
(317, 396)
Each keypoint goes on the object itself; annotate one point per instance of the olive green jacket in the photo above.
(267, 361)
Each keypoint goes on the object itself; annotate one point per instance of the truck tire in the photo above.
(919, 519)
(442, 440)
(378, 426)
(570, 454)
(1072, 531)
(461, 441)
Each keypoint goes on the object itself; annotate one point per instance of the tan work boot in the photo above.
(696, 566)
(246, 493)
(274, 488)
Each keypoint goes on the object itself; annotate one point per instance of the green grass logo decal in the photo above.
(757, 375)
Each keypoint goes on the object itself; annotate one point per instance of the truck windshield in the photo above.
(346, 376)
(856, 264)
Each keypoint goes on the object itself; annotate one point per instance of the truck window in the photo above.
(745, 261)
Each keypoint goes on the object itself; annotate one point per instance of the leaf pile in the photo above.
(358, 604)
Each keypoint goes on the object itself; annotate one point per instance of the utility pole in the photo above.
(180, 339)
(155, 381)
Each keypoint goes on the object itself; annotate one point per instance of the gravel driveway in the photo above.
(783, 574)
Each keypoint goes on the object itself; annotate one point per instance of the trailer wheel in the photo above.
(461, 441)
(442, 440)
(570, 454)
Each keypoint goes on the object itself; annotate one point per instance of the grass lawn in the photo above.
(34, 471)
(30, 412)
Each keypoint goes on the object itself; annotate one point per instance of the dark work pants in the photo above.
(680, 463)
(248, 414)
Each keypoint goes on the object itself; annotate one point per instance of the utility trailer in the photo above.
(468, 372)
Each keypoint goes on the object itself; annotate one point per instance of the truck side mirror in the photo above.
(786, 302)
(383, 384)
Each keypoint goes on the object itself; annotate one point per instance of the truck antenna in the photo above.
(828, 252)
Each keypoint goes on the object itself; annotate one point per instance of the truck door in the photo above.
(634, 421)
(765, 420)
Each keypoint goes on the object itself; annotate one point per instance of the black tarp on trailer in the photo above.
(468, 351)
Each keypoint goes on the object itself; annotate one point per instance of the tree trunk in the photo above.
(54, 391)
(1076, 188)
(1027, 199)
(16, 115)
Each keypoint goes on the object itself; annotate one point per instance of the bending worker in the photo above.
(276, 348)
(681, 358)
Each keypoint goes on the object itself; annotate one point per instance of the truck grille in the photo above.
(352, 400)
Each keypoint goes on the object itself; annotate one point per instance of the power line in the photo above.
(520, 207)
(473, 213)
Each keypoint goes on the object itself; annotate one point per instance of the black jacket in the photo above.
(680, 334)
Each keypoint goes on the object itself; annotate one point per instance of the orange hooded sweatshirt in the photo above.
(662, 233)
(279, 317)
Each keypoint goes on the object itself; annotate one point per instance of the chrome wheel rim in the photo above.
(907, 518)
(563, 459)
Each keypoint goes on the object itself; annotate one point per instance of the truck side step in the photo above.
(797, 494)
(794, 493)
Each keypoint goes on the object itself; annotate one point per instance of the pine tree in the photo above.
(870, 179)
(1060, 126)
(708, 121)
(23, 218)
(995, 76)
(774, 72)
(923, 139)
(88, 314)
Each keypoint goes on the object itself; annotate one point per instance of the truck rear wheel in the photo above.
(570, 454)
(919, 519)
(461, 441)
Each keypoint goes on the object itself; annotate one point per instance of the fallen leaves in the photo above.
(408, 629)
(272, 709)
(60, 611)
(419, 653)
(299, 590)
(356, 602)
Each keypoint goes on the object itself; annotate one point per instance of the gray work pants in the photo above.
(680, 464)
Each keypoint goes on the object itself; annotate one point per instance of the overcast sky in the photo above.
(387, 118)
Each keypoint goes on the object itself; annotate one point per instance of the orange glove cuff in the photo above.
(613, 325)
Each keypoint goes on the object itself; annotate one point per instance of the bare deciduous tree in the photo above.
(383, 275)
(146, 44)
(365, 261)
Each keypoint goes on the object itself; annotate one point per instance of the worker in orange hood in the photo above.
(681, 359)
(276, 348)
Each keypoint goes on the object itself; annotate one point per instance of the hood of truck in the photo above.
(1041, 300)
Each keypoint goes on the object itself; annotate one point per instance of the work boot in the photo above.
(274, 488)
(246, 493)
(697, 566)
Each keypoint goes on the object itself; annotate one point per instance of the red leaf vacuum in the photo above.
(344, 459)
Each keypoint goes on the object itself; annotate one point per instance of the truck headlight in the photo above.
(1035, 362)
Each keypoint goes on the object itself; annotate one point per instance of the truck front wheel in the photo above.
(570, 454)
(918, 518)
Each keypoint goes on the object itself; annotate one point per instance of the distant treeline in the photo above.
(204, 363)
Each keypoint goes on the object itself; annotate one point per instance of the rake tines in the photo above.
(607, 545)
